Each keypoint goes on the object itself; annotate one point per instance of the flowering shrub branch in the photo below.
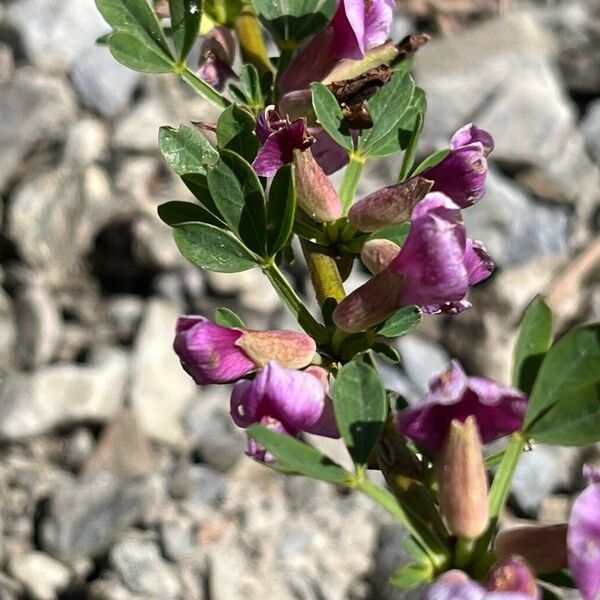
(339, 94)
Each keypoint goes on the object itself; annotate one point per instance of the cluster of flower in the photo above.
(278, 387)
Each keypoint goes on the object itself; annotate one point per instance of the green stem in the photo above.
(350, 180)
(503, 479)
(411, 150)
(497, 499)
(206, 91)
(435, 549)
(463, 552)
(294, 303)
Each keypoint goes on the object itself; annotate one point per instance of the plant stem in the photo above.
(294, 303)
(252, 44)
(324, 273)
(463, 552)
(503, 479)
(411, 150)
(204, 89)
(435, 549)
(350, 180)
(497, 499)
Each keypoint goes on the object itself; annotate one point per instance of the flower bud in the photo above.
(315, 192)
(462, 480)
(543, 546)
(216, 57)
(513, 575)
(378, 254)
(390, 205)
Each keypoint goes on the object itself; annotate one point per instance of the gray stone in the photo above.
(54, 214)
(63, 394)
(123, 449)
(7, 61)
(86, 516)
(41, 105)
(515, 228)
(590, 125)
(42, 576)
(198, 485)
(77, 448)
(539, 473)
(87, 142)
(517, 97)
(138, 128)
(40, 326)
(123, 314)
(177, 539)
(8, 330)
(142, 569)
(56, 32)
(208, 424)
(9, 589)
(422, 359)
(102, 83)
(160, 388)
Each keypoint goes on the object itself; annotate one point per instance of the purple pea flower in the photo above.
(212, 353)
(216, 57)
(583, 538)
(433, 269)
(513, 574)
(456, 585)
(356, 26)
(280, 137)
(498, 409)
(461, 175)
(284, 400)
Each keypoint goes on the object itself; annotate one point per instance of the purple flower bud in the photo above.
(497, 408)
(583, 539)
(280, 138)
(216, 57)
(456, 585)
(285, 400)
(462, 481)
(513, 574)
(388, 206)
(212, 353)
(461, 175)
(469, 134)
(543, 546)
(378, 254)
(434, 270)
(314, 191)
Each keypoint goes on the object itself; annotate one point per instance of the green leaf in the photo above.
(212, 248)
(570, 368)
(298, 457)
(235, 131)
(403, 321)
(396, 233)
(360, 408)
(185, 24)
(291, 21)
(239, 196)
(175, 213)
(329, 115)
(137, 54)
(535, 338)
(136, 18)
(431, 160)
(186, 150)
(226, 317)
(281, 209)
(387, 107)
(387, 352)
(411, 575)
(251, 86)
